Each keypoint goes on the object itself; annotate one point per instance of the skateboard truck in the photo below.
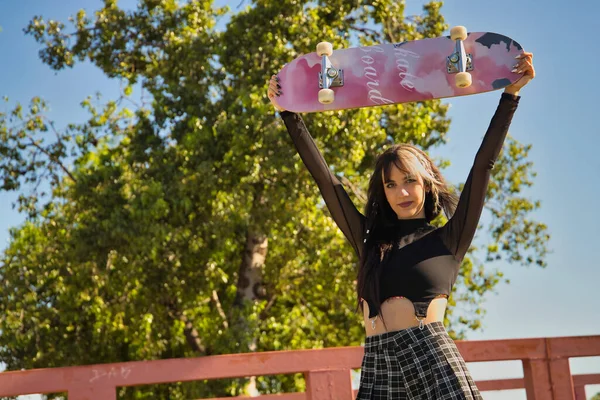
(329, 76)
(460, 62)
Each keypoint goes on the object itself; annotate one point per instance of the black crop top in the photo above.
(426, 261)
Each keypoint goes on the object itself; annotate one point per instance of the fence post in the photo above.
(335, 384)
(562, 381)
(537, 380)
(580, 393)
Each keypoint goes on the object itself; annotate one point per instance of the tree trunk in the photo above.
(250, 286)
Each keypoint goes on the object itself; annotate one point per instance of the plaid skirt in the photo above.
(415, 364)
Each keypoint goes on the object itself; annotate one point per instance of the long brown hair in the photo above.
(380, 216)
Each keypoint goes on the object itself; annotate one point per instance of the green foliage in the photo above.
(135, 252)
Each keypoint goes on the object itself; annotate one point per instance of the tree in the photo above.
(186, 225)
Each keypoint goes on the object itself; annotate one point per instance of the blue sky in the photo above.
(557, 114)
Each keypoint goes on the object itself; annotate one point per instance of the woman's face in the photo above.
(405, 194)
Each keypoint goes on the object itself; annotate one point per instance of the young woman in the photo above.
(407, 266)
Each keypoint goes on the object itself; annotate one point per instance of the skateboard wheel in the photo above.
(463, 80)
(324, 49)
(326, 96)
(458, 33)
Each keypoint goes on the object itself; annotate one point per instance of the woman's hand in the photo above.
(274, 92)
(525, 67)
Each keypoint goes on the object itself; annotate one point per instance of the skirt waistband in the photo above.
(404, 337)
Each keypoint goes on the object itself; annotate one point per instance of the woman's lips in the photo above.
(405, 204)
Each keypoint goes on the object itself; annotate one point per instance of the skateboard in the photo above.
(449, 66)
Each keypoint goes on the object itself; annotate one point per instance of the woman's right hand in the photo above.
(274, 92)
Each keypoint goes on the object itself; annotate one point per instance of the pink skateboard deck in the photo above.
(399, 73)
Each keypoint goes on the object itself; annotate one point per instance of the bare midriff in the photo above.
(399, 313)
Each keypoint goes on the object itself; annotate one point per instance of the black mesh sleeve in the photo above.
(343, 211)
(458, 233)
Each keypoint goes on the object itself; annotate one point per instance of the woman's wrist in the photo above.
(513, 91)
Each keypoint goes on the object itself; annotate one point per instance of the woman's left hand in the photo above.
(525, 67)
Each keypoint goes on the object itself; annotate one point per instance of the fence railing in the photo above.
(546, 370)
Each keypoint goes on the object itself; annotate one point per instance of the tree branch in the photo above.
(355, 189)
(52, 159)
(373, 33)
(263, 313)
(215, 297)
(391, 37)
(191, 335)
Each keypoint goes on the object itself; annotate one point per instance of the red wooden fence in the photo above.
(547, 375)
